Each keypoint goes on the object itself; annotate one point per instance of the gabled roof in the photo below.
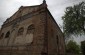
(23, 10)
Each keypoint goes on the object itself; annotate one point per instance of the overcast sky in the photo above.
(56, 7)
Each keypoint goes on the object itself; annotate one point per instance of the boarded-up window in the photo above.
(1, 35)
(20, 31)
(44, 53)
(57, 38)
(7, 34)
(52, 33)
(30, 29)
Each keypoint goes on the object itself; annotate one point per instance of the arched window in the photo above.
(30, 29)
(7, 34)
(1, 35)
(20, 31)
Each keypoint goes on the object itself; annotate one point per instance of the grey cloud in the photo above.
(56, 7)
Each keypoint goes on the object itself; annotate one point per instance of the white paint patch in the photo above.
(19, 40)
(29, 38)
(24, 40)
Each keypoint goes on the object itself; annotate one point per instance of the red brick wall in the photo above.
(55, 45)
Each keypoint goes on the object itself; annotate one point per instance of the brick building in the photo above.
(32, 30)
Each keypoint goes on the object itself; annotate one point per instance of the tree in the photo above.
(74, 19)
(72, 47)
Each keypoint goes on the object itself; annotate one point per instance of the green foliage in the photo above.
(74, 19)
(72, 47)
(83, 47)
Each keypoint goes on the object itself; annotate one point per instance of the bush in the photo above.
(83, 47)
(72, 47)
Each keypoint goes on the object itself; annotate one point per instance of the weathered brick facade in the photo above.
(31, 31)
